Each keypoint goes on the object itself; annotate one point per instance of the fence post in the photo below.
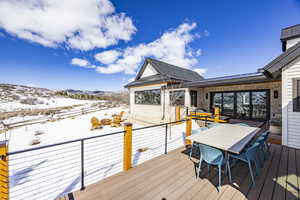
(4, 185)
(188, 131)
(166, 140)
(82, 165)
(127, 153)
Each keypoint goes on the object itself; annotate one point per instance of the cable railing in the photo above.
(52, 171)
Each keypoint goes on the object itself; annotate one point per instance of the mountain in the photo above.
(96, 92)
(20, 97)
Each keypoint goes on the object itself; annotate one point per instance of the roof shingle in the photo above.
(166, 72)
(290, 32)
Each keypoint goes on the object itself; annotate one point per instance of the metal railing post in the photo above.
(127, 153)
(187, 111)
(166, 140)
(82, 165)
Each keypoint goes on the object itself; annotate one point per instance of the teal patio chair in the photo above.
(213, 156)
(250, 156)
(263, 153)
(195, 144)
(266, 136)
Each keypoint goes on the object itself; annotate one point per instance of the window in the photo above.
(148, 97)
(228, 103)
(296, 95)
(243, 104)
(177, 98)
(193, 94)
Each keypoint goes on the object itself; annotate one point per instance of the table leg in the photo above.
(228, 166)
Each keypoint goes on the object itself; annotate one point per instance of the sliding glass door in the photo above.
(228, 103)
(243, 104)
(259, 105)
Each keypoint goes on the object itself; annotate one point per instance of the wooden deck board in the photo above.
(280, 185)
(298, 170)
(292, 182)
(254, 192)
(270, 181)
(173, 176)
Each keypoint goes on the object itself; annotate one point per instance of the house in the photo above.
(270, 93)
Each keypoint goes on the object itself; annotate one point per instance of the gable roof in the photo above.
(274, 68)
(166, 72)
(290, 32)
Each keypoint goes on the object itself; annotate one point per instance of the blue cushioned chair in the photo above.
(213, 156)
(250, 156)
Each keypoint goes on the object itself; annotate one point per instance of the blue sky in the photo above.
(100, 44)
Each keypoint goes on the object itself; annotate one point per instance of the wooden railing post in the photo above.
(188, 131)
(217, 114)
(4, 171)
(127, 153)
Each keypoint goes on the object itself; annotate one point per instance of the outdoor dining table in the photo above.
(229, 138)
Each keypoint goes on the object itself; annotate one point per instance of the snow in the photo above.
(47, 103)
(61, 130)
(51, 172)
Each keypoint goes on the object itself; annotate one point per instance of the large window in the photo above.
(193, 98)
(296, 95)
(228, 103)
(148, 97)
(243, 104)
(177, 98)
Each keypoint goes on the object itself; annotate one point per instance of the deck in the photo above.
(173, 176)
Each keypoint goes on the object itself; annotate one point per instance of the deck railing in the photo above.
(51, 171)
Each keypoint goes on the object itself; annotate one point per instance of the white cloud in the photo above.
(78, 24)
(198, 52)
(31, 85)
(172, 47)
(206, 33)
(81, 63)
(107, 57)
(200, 71)
(126, 81)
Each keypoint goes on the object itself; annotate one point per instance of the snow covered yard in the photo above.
(51, 172)
(61, 130)
(45, 104)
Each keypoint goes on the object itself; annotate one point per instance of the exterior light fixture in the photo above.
(275, 94)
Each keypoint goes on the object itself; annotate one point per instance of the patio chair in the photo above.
(262, 147)
(195, 144)
(213, 156)
(250, 156)
(266, 135)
